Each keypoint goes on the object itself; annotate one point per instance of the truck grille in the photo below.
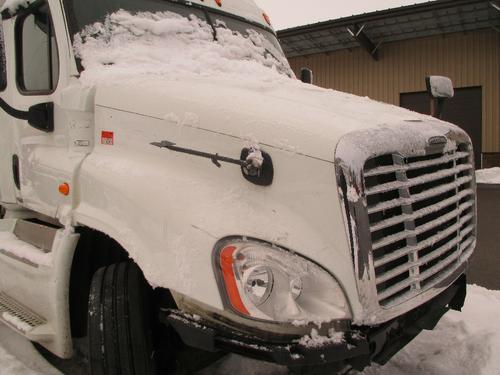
(421, 214)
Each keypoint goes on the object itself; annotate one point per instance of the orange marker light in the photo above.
(266, 17)
(64, 189)
(218, 2)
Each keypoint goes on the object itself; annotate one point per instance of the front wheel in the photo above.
(119, 322)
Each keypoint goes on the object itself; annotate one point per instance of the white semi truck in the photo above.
(166, 204)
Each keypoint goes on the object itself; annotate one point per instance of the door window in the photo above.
(37, 54)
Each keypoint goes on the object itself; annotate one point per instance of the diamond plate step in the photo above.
(22, 320)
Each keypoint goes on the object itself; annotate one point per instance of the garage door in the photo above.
(464, 110)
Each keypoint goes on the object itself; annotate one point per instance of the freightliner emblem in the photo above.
(439, 140)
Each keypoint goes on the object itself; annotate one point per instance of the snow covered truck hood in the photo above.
(286, 115)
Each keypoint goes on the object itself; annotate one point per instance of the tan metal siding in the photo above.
(469, 59)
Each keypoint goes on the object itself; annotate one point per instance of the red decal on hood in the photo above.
(107, 138)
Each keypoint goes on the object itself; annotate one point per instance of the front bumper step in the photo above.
(196, 334)
(360, 347)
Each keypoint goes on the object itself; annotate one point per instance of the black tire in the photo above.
(119, 322)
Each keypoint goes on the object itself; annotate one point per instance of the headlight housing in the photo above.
(268, 283)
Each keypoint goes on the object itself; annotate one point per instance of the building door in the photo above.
(464, 110)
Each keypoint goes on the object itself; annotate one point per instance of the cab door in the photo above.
(41, 52)
(7, 184)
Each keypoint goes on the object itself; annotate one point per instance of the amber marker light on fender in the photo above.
(64, 189)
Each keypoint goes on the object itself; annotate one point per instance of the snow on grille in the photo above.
(422, 220)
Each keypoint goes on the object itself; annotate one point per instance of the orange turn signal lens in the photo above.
(64, 189)
(226, 264)
(218, 2)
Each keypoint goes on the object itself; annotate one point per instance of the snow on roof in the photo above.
(166, 44)
(488, 176)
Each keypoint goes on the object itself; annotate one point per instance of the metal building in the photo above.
(386, 55)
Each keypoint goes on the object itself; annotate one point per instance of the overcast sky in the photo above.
(290, 13)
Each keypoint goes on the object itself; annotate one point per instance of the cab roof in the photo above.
(247, 9)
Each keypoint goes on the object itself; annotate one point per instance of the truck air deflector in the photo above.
(256, 165)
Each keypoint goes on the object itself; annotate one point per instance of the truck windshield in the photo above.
(83, 13)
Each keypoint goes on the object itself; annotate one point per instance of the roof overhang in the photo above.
(414, 21)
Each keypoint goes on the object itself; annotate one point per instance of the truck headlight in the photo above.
(265, 282)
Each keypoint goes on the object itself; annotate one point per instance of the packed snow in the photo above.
(463, 343)
(315, 340)
(127, 46)
(11, 244)
(488, 176)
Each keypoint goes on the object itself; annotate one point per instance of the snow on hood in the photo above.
(174, 65)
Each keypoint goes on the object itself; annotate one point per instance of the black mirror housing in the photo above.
(41, 117)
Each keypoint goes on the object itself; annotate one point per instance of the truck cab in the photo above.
(169, 187)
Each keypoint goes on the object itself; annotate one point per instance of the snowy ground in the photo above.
(466, 343)
(488, 176)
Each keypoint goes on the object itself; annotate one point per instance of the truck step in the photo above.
(23, 320)
(28, 242)
(37, 234)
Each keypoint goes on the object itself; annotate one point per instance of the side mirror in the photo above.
(439, 89)
(41, 117)
(306, 75)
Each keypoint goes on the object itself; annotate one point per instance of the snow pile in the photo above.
(488, 176)
(14, 5)
(463, 343)
(19, 357)
(11, 244)
(166, 44)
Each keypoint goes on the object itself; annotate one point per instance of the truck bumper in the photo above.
(361, 345)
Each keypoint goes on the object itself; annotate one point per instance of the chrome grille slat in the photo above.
(421, 229)
(421, 211)
(416, 165)
(422, 277)
(428, 258)
(418, 181)
(422, 196)
(407, 266)
(423, 244)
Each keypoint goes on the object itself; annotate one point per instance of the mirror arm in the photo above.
(20, 115)
(39, 116)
